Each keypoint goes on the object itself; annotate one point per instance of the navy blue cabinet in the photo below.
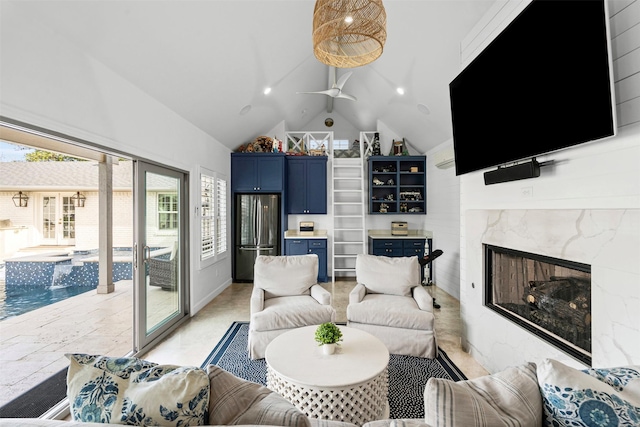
(306, 184)
(311, 246)
(398, 248)
(264, 172)
(397, 185)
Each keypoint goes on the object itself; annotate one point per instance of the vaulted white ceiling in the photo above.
(209, 59)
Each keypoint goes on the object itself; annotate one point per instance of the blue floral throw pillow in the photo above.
(589, 398)
(131, 391)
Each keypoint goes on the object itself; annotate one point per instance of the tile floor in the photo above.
(32, 346)
(193, 342)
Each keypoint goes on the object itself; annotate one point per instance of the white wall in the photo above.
(48, 82)
(443, 220)
(599, 175)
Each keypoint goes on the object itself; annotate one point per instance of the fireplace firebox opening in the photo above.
(547, 296)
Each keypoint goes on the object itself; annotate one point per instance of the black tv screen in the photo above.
(544, 83)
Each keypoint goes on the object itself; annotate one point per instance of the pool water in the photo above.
(20, 301)
(33, 282)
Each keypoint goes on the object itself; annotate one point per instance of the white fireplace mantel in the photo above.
(607, 239)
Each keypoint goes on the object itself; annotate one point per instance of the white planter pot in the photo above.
(328, 348)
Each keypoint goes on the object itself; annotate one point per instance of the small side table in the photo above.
(350, 385)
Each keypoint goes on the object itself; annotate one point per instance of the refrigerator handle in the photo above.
(259, 220)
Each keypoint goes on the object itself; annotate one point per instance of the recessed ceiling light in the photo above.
(245, 109)
(348, 19)
(400, 91)
(267, 90)
(424, 109)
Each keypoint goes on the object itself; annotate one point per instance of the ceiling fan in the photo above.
(335, 91)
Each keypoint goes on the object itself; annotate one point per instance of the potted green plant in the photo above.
(328, 335)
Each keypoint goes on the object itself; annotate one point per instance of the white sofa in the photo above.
(547, 394)
(116, 391)
(528, 395)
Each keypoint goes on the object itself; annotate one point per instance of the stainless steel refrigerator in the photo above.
(257, 231)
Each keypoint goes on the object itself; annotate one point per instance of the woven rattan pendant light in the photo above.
(349, 33)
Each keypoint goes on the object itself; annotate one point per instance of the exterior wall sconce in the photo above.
(20, 199)
(78, 199)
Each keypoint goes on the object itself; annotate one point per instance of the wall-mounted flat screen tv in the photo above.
(544, 83)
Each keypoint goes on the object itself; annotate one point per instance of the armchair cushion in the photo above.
(390, 310)
(388, 275)
(423, 299)
(291, 312)
(236, 401)
(508, 398)
(281, 276)
(357, 294)
(321, 295)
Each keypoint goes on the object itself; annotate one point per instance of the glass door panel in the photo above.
(49, 220)
(68, 219)
(161, 225)
(58, 220)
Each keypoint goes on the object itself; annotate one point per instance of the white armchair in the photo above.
(389, 302)
(285, 296)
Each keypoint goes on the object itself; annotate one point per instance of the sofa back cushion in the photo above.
(603, 397)
(388, 275)
(237, 401)
(131, 391)
(507, 398)
(283, 276)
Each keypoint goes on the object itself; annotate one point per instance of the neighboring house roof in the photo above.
(75, 176)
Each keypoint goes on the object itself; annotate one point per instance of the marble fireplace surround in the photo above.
(606, 239)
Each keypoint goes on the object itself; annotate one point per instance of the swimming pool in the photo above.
(24, 299)
(34, 281)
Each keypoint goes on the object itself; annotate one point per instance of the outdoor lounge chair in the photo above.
(163, 269)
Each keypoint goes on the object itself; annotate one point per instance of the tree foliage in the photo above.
(48, 156)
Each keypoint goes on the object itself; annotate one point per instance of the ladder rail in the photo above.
(349, 226)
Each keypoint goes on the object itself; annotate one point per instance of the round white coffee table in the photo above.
(350, 385)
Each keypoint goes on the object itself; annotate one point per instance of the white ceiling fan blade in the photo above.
(330, 92)
(346, 96)
(343, 79)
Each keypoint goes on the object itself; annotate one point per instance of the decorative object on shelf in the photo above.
(375, 146)
(383, 208)
(415, 209)
(403, 207)
(78, 199)
(320, 151)
(20, 199)
(328, 335)
(390, 197)
(349, 33)
(391, 182)
(262, 144)
(397, 148)
(328, 122)
(413, 169)
(376, 181)
(410, 195)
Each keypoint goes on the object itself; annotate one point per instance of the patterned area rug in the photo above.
(408, 375)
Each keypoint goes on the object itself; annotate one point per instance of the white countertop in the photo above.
(295, 234)
(411, 234)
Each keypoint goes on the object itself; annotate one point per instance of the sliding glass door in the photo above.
(160, 251)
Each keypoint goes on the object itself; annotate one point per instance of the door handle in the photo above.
(146, 253)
